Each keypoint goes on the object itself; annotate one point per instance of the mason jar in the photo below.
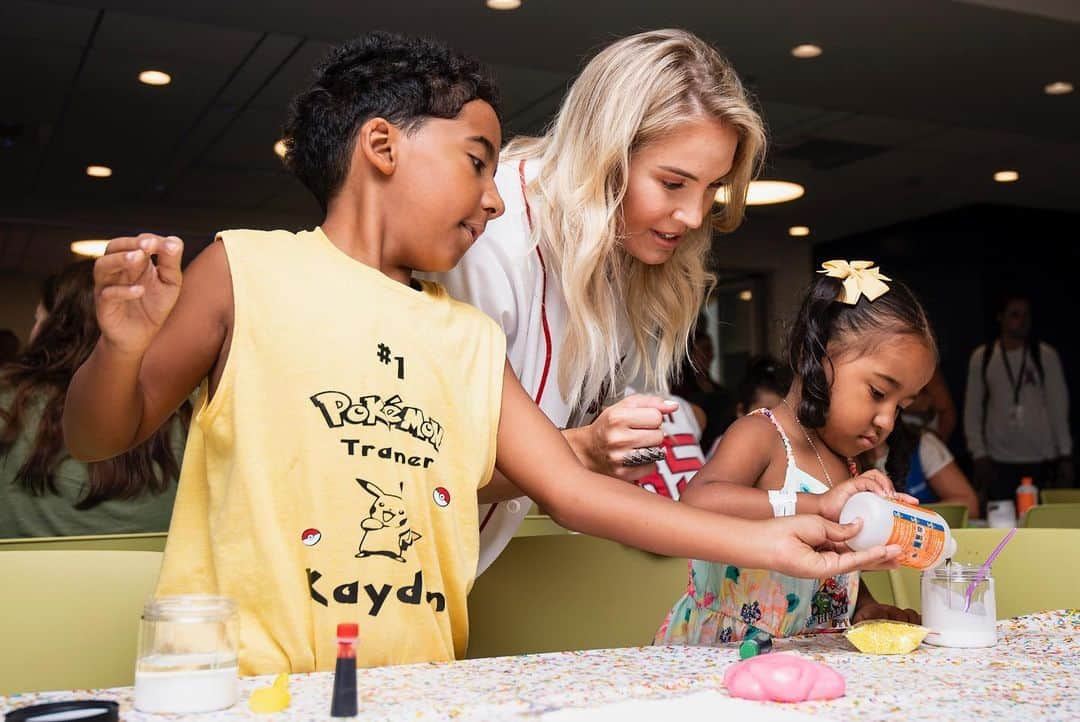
(953, 622)
(187, 659)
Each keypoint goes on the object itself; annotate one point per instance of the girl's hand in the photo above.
(874, 610)
(805, 546)
(134, 296)
(832, 502)
(633, 423)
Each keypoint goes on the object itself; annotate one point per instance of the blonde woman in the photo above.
(596, 270)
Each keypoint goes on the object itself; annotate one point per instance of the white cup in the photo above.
(1001, 514)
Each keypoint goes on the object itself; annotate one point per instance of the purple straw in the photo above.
(985, 569)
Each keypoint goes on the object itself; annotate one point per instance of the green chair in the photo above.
(1060, 496)
(1053, 516)
(150, 542)
(570, 591)
(955, 515)
(1028, 575)
(880, 585)
(70, 619)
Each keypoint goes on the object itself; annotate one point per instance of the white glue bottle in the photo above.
(924, 537)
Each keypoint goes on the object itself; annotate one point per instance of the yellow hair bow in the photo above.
(859, 278)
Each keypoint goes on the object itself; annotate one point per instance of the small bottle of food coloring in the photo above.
(344, 701)
(923, 536)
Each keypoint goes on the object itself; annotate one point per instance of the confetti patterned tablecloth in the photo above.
(1032, 674)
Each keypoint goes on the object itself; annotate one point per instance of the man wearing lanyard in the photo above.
(1016, 409)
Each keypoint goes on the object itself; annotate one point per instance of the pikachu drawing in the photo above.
(386, 528)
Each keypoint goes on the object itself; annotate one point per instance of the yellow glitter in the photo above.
(878, 636)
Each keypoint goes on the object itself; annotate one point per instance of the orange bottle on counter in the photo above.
(1027, 495)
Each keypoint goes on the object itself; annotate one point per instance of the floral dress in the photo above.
(724, 602)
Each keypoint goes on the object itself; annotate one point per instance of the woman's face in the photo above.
(672, 185)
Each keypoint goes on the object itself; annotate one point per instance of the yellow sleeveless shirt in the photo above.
(333, 476)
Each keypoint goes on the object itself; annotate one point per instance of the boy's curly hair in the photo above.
(402, 79)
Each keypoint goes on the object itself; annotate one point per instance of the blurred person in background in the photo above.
(43, 491)
(1016, 407)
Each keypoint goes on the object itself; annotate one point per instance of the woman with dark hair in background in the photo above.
(43, 491)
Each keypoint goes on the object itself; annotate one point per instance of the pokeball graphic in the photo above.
(311, 537)
(441, 496)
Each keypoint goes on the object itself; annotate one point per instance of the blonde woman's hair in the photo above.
(636, 91)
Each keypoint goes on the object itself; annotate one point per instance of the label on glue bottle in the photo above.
(922, 540)
(923, 536)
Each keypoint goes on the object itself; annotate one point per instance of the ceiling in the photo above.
(911, 108)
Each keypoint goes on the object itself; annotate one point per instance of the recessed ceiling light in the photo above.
(155, 77)
(279, 148)
(806, 51)
(1058, 88)
(1006, 176)
(504, 4)
(764, 192)
(98, 171)
(746, 295)
(93, 249)
(799, 231)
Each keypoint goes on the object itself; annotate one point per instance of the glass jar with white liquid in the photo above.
(187, 660)
(953, 621)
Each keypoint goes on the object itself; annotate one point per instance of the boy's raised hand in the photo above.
(806, 546)
(832, 501)
(133, 294)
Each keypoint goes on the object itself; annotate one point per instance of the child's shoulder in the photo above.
(750, 431)
(235, 236)
(267, 249)
(468, 314)
(746, 450)
(751, 426)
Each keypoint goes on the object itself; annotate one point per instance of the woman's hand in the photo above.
(633, 423)
(806, 546)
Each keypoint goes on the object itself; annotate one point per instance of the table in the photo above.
(1032, 674)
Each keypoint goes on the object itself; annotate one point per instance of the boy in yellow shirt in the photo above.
(349, 413)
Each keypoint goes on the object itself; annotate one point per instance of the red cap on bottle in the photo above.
(348, 631)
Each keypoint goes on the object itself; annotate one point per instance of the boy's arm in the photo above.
(634, 422)
(535, 456)
(161, 333)
(726, 484)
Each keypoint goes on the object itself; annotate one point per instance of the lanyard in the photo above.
(1018, 381)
